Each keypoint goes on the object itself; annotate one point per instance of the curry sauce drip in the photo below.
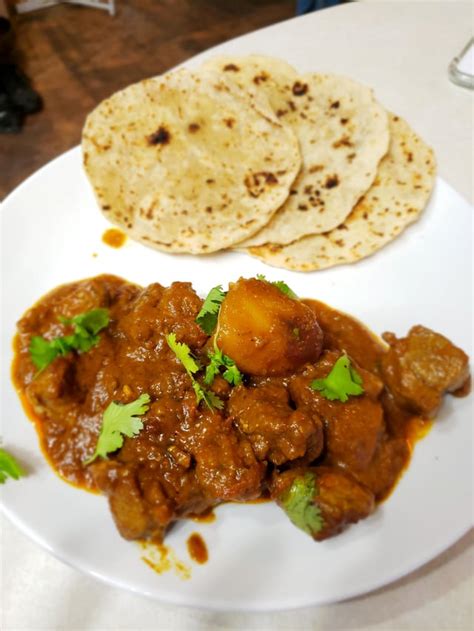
(197, 548)
(114, 238)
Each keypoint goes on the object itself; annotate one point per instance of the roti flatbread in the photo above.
(184, 163)
(399, 194)
(342, 131)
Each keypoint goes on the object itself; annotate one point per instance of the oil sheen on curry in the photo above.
(170, 405)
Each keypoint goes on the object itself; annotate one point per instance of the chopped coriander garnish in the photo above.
(86, 328)
(219, 360)
(119, 420)
(183, 353)
(207, 317)
(281, 285)
(9, 467)
(343, 381)
(299, 503)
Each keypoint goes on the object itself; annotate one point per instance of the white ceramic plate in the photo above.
(51, 229)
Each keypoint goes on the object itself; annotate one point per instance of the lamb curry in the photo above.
(170, 406)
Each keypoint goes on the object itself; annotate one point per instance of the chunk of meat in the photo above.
(420, 368)
(138, 513)
(340, 499)
(277, 432)
(352, 429)
(157, 310)
(390, 458)
(344, 333)
(226, 467)
(72, 299)
(49, 392)
(266, 332)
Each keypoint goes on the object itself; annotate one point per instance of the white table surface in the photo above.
(402, 49)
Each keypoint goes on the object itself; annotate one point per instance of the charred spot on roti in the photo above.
(106, 207)
(260, 78)
(281, 113)
(299, 88)
(302, 207)
(98, 146)
(255, 182)
(193, 127)
(315, 168)
(331, 181)
(335, 105)
(344, 121)
(231, 68)
(230, 122)
(160, 137)
(345, 141)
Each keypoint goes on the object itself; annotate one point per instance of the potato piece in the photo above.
(264, 331)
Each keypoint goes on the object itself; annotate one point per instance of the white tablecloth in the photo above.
(402, 50)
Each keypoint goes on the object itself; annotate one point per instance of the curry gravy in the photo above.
(66, 403)
(341, 331)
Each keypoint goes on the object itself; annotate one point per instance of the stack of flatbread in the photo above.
(300, 171)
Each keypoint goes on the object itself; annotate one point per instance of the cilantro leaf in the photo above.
(90, 322)
(43, 352)
(86, 328)
(232, 374)
(9, 467)
(210, 399)
(213, 368)
(283, 287)
(119, 420)
(299, 503)
(279, 284)
(183, 353)
(219, 360)
(207, 317)
(342, 381)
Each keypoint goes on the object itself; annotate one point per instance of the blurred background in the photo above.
(59, 59)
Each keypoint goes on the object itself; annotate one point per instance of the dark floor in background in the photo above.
(76, 56)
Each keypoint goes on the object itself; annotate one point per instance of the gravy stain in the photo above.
(161, 559)
(197, 548)
(114, 238)
(207, 517)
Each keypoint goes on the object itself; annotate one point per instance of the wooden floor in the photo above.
(76, 56)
